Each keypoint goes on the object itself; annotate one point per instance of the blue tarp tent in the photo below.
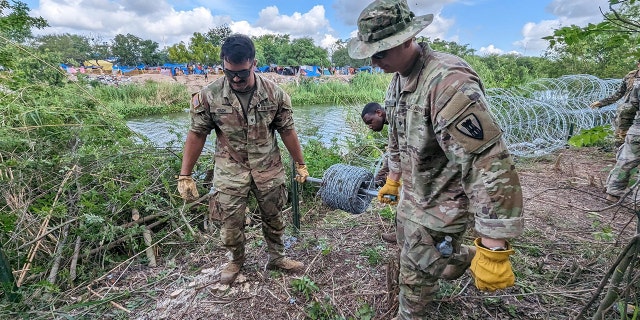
(263, 69)
(173, 66)
(310, 71)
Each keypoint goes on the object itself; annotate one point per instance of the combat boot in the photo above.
(611, 199)
(285, 264)
(229, 273)
(389, 237)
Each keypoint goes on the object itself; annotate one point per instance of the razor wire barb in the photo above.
(538, 118)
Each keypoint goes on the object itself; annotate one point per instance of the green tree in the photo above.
(131, 50)
(179, 53)
(605, 49)
(202, 50)
(460, 50)
(340, 56)
(302, 51)
(100, 48)
(270, 48)
(218, 34)
(508, 70)
(72, 48)
(15, 22)
(149, 54)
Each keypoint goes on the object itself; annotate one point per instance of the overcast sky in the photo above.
(488, 26)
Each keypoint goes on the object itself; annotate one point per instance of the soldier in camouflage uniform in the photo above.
(449, 152)
(374, 117)
(245, 110)
(628, 156)
(625, 112)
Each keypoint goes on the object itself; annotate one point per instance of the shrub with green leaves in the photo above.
(593, 137)
(304, 286)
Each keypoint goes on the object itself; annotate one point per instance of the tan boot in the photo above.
(389, 237)
(611, 199)
(285, 264)
(229, 273)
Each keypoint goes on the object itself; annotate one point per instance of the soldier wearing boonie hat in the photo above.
(448, 153)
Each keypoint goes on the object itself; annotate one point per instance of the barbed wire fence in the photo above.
(539, 117)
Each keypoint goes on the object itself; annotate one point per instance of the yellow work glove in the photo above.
(391, 190)
(187, 188)
(302, 171)
(492, 269)
(595, 105)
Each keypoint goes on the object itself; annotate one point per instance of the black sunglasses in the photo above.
(242, 74)
(380, 55)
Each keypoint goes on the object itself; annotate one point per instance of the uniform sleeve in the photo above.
(283, 120)
(393, 159)
(471, 139)
(618, 94)
(201, 119)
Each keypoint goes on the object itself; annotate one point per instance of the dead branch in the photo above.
(74, 260)
(43, 227)
(624, 256)
(58, 255)
(146, 234)
(115, 304)
(47, 233)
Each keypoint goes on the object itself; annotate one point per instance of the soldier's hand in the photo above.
(595, 105)
(302, 173)
(492, 269)
(187, 188)
(389, 192)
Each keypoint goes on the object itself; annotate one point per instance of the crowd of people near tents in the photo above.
(176, 69)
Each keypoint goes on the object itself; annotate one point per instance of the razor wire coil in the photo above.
(538, 118)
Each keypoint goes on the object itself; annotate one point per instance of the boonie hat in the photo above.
(385, 24)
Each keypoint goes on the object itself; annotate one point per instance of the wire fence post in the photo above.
(294, 198)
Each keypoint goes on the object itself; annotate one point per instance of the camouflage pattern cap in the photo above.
(385, 24)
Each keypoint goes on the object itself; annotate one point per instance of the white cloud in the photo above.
(491, 49)
(438, 28)
(245, 27)
(328, 41)
(568, 12)
(155, 20)
(297, 24)
(349, 10)
(577, 8)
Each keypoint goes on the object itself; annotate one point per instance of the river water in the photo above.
(324, 123)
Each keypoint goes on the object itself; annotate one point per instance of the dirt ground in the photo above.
(570, 242)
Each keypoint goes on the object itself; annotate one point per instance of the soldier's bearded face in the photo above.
(240, 75)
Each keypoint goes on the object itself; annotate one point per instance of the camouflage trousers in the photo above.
(232, 210)
(627, 158)
(421, 265)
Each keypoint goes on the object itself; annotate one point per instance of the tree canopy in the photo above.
(604, 49)
(15, 22)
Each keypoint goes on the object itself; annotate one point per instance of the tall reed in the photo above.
(149, 98)
(362, 88)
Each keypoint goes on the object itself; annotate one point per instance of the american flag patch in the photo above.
(195, 100)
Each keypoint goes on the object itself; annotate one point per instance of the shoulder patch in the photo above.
(195, 100)
(470, 126)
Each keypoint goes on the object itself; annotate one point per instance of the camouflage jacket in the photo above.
(250, 137)
(455, 166)
(634, 100)
(624, 90)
